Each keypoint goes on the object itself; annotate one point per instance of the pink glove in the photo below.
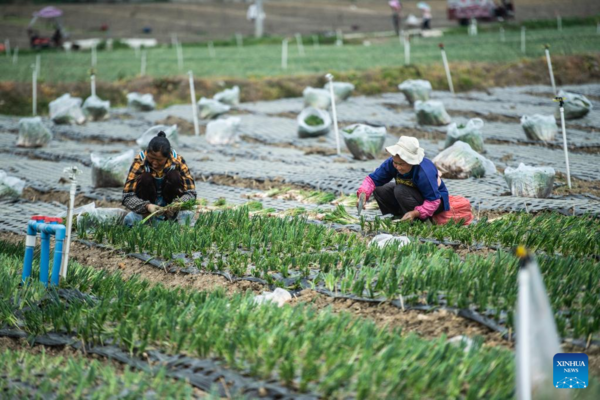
(367, 187)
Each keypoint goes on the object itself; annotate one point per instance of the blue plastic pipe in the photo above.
(59, 235)
(45, 252)
(29, 250)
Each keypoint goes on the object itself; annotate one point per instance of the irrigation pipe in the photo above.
(94, 56)
(194, 105)
(284, 53)
(300, 45)
(72, 175)
(211, 50)
(93, 84)
(34, 90)
(447, 68)
(406, 49)
(15, 59)
(179, 50)
(561, 102)
(38, 64)
(143, 66)
(523, 39)
(7, 47)
(329, 78)
(547, 49)
(523, 329)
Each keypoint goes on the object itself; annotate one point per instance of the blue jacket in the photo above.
(423, 177)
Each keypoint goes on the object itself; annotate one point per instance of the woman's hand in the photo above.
(409, 216)
(152, 208)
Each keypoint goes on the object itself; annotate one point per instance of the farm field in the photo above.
(277, 211)
(279, 287)
(259, 61)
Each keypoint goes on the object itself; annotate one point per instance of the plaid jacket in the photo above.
(140, 165)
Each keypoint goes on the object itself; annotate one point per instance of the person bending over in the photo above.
(157, 177)
(416, 190)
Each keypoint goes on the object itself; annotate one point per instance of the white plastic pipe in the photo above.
(194, 105)
(447, 68)
(598, 28)
(523, 317)
(315, 39)
(523, 39)
(300, 44)
(502, 35)
(93, 84)
(329, 78)
(38, 64)
(34, 94)
(136, 51)
(179, 56)
(558, 22)
(16, 55)
(143, 66)
(65, 261)
(339, 38)
(258, 22)
(551, 71)
(94, 56)
(239, 39)
(564, 132)
(211, 50)
(284, 53)
(406, 50)
(7, 47)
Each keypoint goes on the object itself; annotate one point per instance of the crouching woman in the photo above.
(157, 177)
(416, 191)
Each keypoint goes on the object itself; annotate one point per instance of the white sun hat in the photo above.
(408, 150)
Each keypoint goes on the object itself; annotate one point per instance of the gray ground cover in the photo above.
(271, 149)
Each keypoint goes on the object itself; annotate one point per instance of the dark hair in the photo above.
(161, 144)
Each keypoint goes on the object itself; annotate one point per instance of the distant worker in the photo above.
(252, 13)
(426, 14)
(396, 8)
(157, 177)
(416, 191)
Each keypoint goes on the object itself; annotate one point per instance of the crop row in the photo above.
(335, 355)
(31, 376)
(266, 248)
(549, 232)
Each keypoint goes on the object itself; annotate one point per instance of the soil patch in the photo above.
(572, 148)
(267, 184)
(418, 133)
(308, 150)
(428, 325)
(578, 186)
(485, 117)
(184, 126)
(62, 197)
(286, 114)
(400, 107)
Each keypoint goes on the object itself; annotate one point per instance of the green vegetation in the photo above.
(32, 376)
(551, 232)
(331, 354)
(313, 120)
(265, 60)
(233, 241)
